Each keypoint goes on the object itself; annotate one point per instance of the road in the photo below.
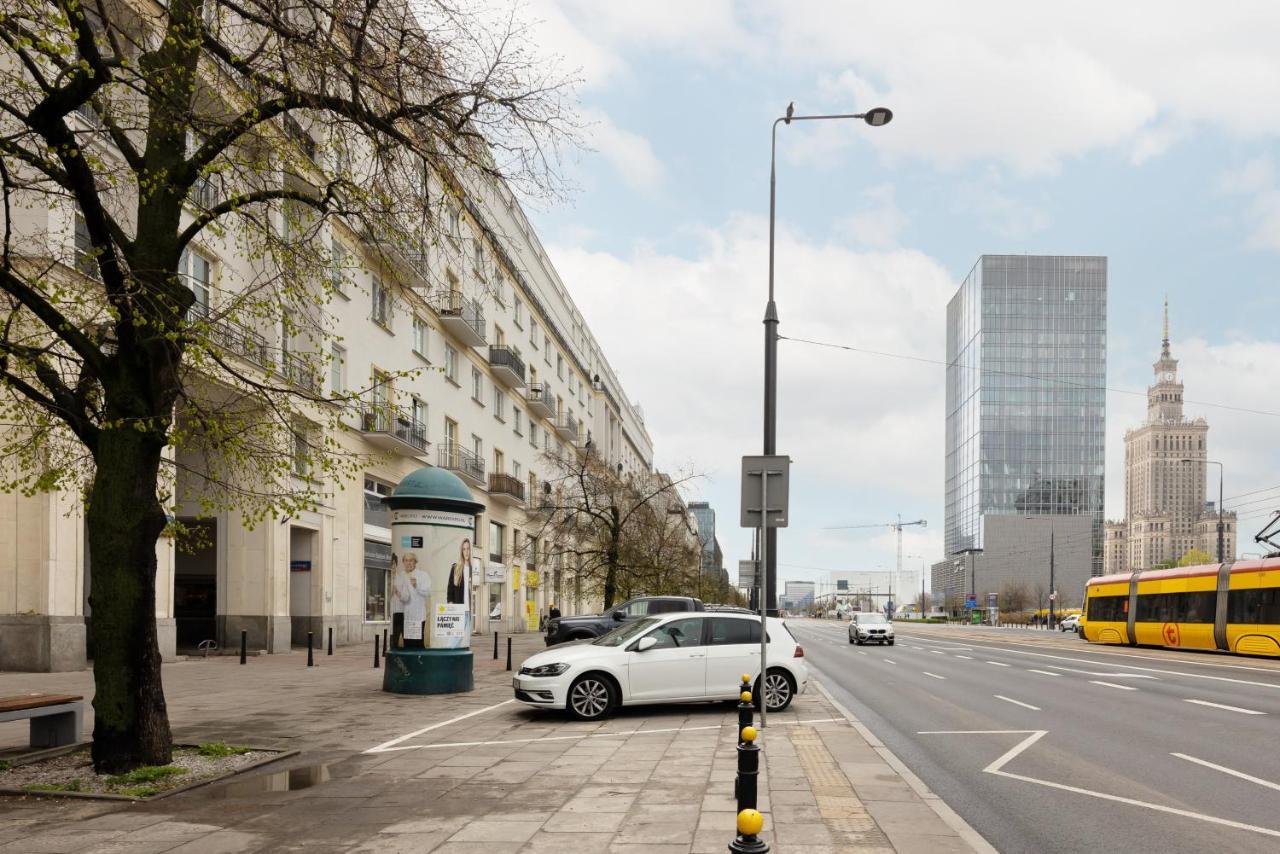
(1043, 742)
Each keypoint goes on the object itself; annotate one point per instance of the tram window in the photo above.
(1176, 607)
(1108, 609)
(1259, 606)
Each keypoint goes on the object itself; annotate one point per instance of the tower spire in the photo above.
(1164, 350)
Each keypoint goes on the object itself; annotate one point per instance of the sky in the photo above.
(1143, 131)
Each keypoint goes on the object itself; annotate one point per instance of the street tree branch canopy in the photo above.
(279, 133)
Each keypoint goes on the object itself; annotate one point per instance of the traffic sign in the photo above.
(971, 601)
(777, 469)
(747, 573)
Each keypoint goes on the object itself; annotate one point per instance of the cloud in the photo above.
(630, 154)
(1260, 217)
(865, 431)
(879, 221)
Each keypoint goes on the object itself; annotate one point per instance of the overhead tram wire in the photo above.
(1038, 377)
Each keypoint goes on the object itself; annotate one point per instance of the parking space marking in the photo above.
(626, 734)
(1112, 685)
(1225, 707)
(934, 675)
(389, 746)
(1231, 771)
(1016, 702)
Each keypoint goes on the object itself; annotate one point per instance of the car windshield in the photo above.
(624, 633)
(865, 619)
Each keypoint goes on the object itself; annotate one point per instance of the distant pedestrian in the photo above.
(554, 613)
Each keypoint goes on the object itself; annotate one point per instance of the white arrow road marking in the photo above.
(1221, 706)
(1231, 771)
(1016, 702)
(1034, 735)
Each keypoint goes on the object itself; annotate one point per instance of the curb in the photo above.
(940, 808)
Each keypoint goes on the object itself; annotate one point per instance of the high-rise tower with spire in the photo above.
(1164, 498)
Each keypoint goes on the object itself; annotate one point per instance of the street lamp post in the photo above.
(876, 117)
(1053, 593)
(1221, 539)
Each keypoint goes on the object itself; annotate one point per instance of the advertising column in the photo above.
(433, 572)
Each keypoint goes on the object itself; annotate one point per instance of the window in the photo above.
(419, 411)
(499, 288)
(559, 365)
(726, 630)
(499, 337)
(450, 364)
(667, 606)
(477, 385)
(1258, 606)
(451, 432)
(194, 267)
(546, 348)
(477, 448)
(519, 311)
(381, 295)
(339, 266)
(678, 633)
(377, 563)
(86, 256)
(1177, 607)
(499, 462)
(499, 404)
(421, 337)
(517, 415)
(337, 370)
(533, 334)
(300, 453)
(477, 260)
(516, 469)
(497, 539)
(533, 433)
(455, 222)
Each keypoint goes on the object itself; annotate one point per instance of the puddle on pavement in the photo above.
(281, 781)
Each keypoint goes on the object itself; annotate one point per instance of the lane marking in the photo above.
(1016, 702)
(998, 663)
(626, 734)
(1112, 685)
(1231, 771)
(1107, 673)
(997, 768)
(937, 652)
(860, 652)
(934, 675)
(965, 657)
(388, 746)
(1043, 672)
(1223, 706)
(888, 661)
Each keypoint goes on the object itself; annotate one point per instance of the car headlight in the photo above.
(545, 670)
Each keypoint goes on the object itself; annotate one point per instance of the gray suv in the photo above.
(870, 627)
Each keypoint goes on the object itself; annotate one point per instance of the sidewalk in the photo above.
(479, 773)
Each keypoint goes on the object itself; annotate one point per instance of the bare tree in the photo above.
(132, 133)
(1014, 597)
(618, 532)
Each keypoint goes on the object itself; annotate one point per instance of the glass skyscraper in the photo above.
(1026, 399)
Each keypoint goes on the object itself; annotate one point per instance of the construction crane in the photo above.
(897, 526)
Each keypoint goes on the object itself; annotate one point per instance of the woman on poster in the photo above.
(456, 594)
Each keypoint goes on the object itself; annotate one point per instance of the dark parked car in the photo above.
(562, 629)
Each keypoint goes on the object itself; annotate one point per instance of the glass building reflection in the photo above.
(1025, 396)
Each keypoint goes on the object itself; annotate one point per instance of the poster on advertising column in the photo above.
(431, 576)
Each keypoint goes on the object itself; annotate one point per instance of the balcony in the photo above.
(506, 489)
(458, 459)
(392, 430)
(239, 341)
(566, 427)
(298, 373)
(463, 319)
(507, 367)
(540, 401)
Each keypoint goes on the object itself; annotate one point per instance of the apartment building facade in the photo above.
(476, 359)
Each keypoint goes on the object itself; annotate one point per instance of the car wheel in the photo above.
(779, 690)
(890, 643)
(591, 697)
(851, 640)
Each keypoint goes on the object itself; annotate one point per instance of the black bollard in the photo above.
(375, 652)
(495, 646)
(750, 822)
(384, 642)
(508, 652)
(311, 662)
(244, 646)
(330, 640)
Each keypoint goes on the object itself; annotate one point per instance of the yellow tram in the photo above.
(1234, 607)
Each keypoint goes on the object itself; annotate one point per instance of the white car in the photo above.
(670, 658)
(870, 627)
(1070, 623)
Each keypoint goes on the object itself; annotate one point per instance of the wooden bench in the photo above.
(56, 719)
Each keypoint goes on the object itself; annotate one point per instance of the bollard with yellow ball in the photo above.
(745, 709)
(748, 841)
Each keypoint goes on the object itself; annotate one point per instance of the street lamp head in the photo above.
(878, 116)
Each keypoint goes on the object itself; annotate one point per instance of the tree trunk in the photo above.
(125, 520)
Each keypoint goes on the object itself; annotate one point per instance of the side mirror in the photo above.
(646, 642)
(619, 615)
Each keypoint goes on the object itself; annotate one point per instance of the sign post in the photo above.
(770, 512)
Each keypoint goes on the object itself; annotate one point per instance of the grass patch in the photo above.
(220, 750)
(145, 774)
(138, 791)
(5, 765)
(69, 786)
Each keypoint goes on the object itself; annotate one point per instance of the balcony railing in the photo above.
(299, 373)
(567, 427)
(504, 485)
(380, 419)
(540, 401)
(507, 366)
(241, 342)
(456, 458)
